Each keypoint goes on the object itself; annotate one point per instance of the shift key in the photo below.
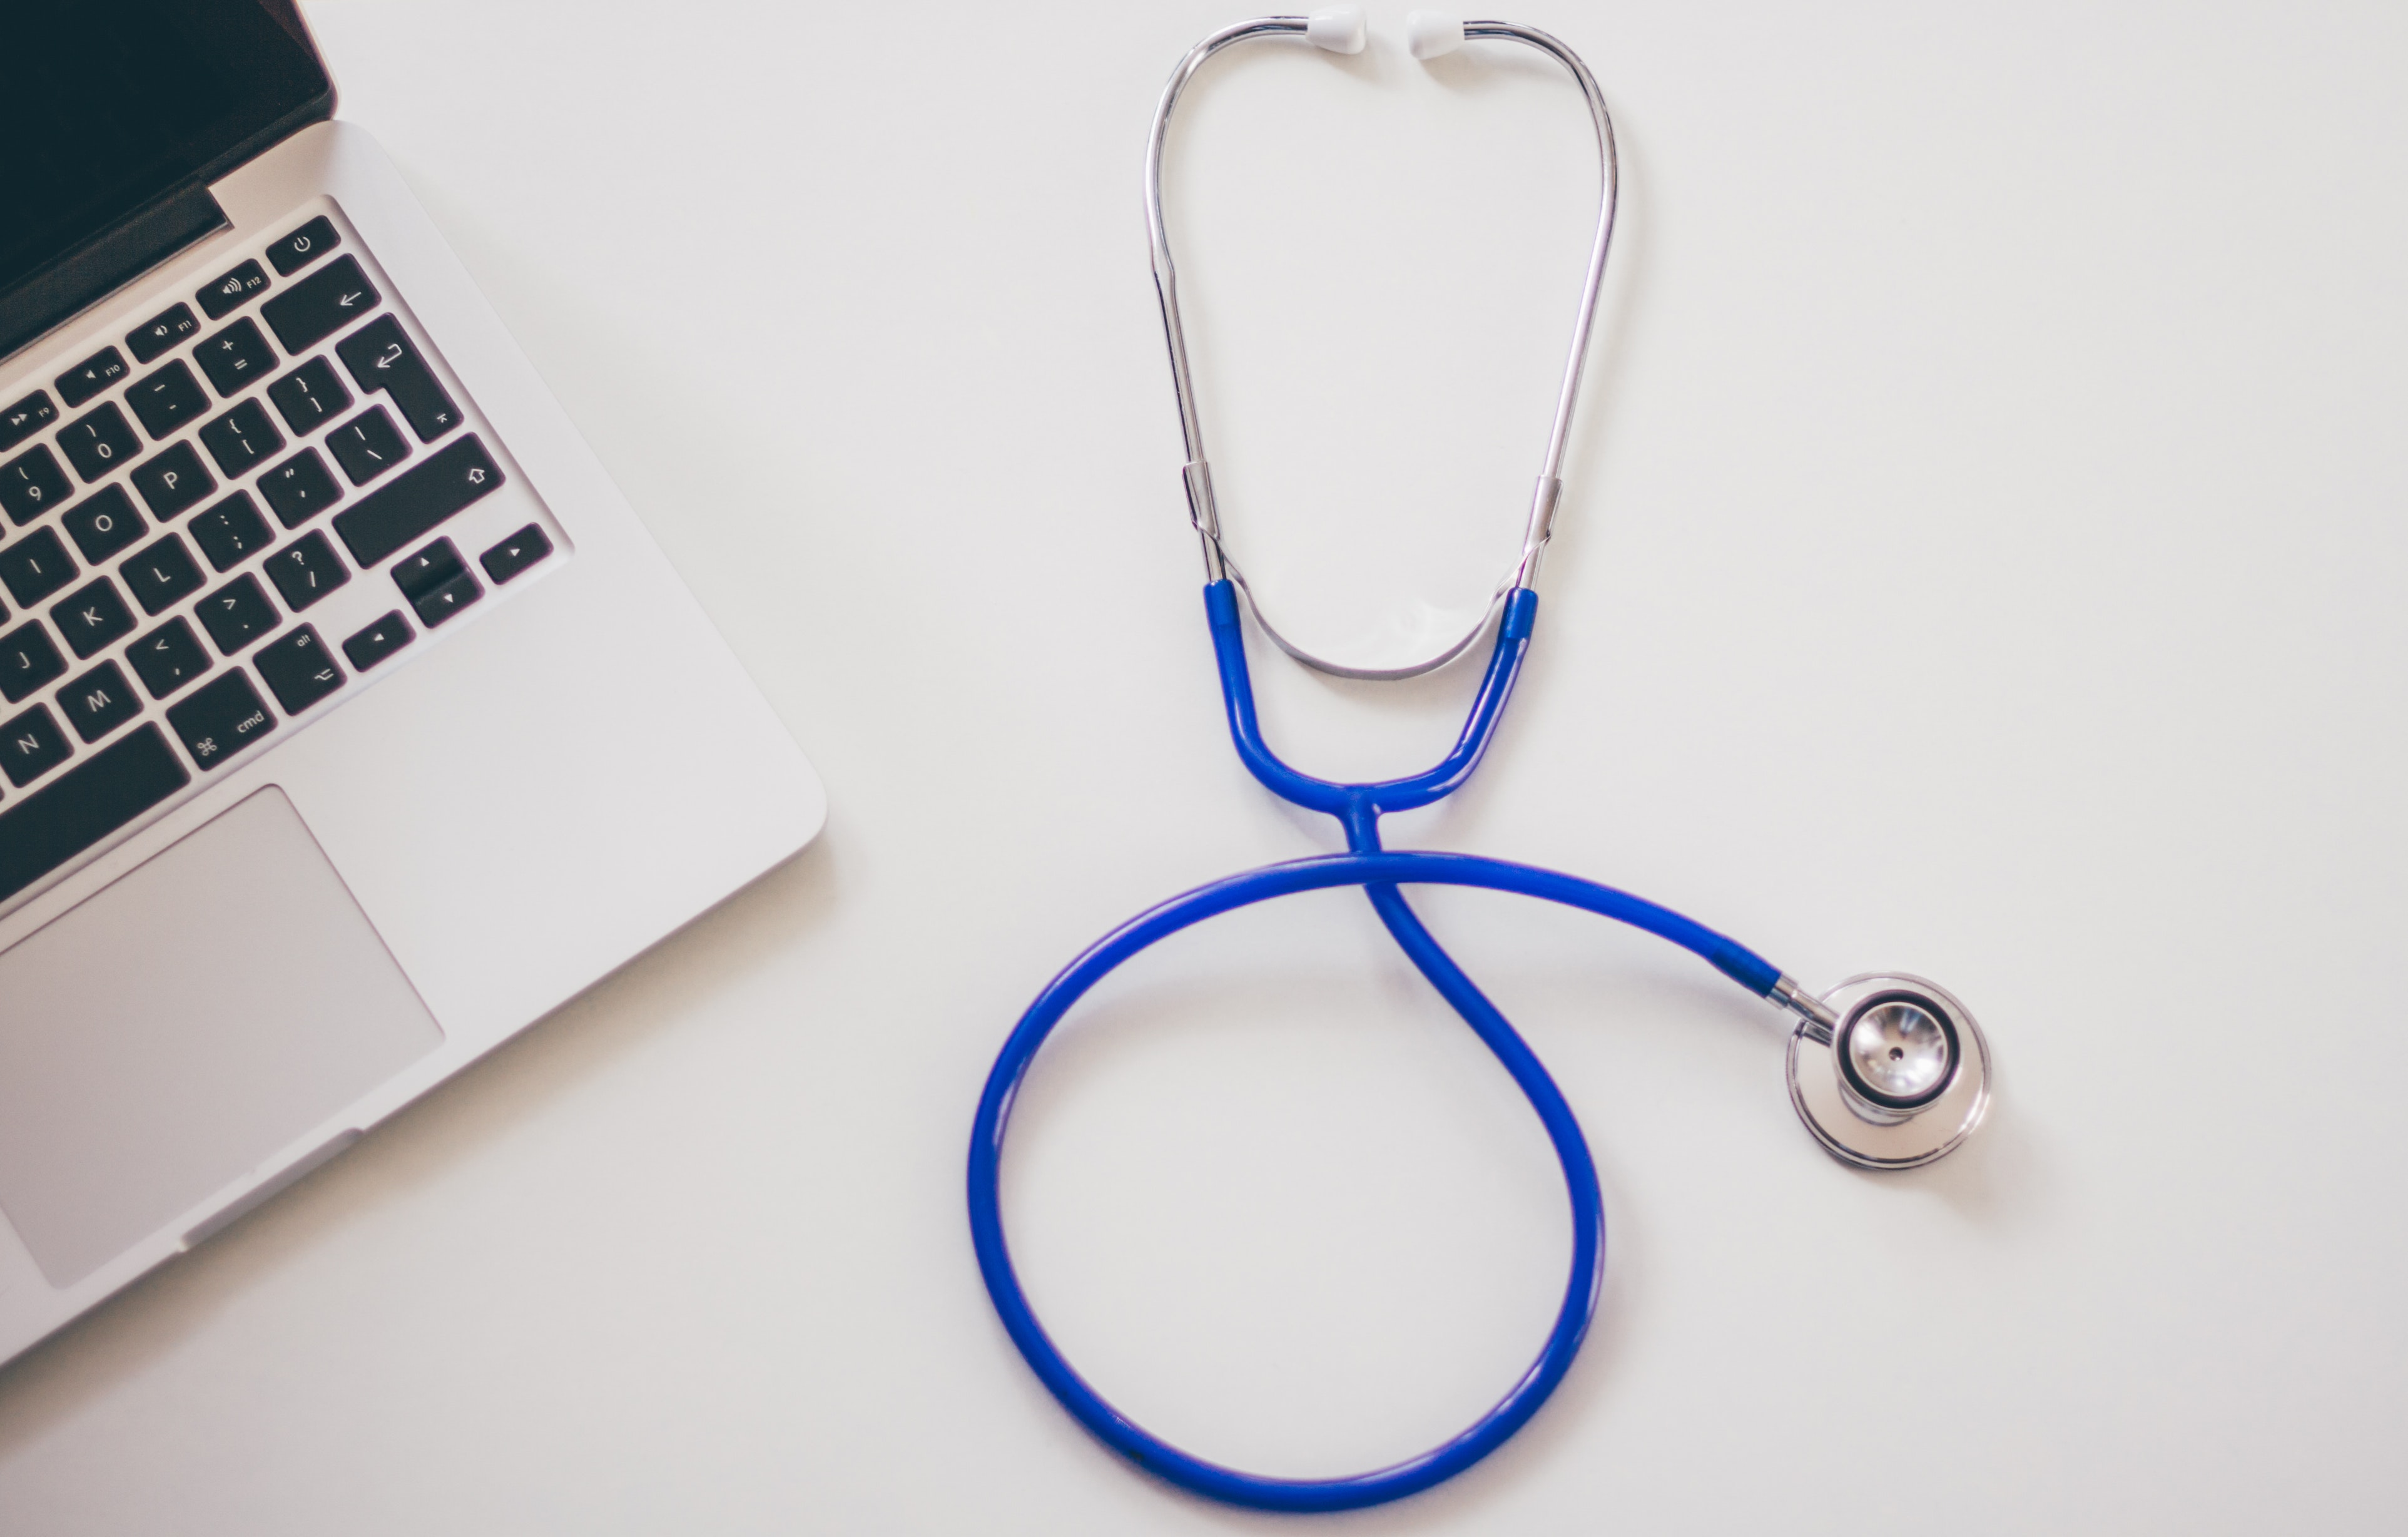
(381, 524)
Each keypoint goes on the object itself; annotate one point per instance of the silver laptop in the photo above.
(351, 722)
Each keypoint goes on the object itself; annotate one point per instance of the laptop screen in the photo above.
(111, 107)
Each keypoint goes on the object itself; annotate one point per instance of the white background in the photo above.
(1982, 554)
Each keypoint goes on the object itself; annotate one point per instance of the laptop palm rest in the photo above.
(169, 1035)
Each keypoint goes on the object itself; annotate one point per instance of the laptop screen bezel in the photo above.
(119, 243)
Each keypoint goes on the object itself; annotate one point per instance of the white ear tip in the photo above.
(1338, 28)
(1430, 34)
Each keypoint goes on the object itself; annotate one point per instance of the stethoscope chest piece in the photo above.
(1902, 1078)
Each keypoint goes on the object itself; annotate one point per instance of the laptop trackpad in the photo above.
(186, 1024)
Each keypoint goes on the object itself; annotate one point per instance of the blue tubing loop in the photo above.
(1378, 872)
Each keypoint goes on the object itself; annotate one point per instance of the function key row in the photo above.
(231, 292)
(320, 303)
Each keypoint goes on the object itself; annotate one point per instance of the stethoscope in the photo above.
(1887, 1071)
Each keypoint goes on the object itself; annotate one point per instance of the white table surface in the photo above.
(1982, 555)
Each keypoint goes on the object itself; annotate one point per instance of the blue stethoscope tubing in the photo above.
(1379, 872)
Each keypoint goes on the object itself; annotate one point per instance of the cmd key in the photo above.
(220, 720)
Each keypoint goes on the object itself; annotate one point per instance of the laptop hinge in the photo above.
(106, 263)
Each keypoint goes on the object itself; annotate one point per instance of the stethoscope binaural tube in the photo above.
(1203, 511)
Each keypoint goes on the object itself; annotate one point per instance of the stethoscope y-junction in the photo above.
(1887, 1071)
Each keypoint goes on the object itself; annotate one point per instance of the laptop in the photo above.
(350, 721)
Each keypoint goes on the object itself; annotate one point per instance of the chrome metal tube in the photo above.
(1816, 1021)
(1196, 473)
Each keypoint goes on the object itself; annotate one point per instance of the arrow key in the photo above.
(516, 554)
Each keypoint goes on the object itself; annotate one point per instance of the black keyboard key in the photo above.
(382, 359)
(428, 569)
(93, 617)
(414, 502)
(32, 484)
(235, 358)
(377, 642)
(437, 583)
(167, 398)
(35, 566)
(167, 658)
(516, 554)
(321, 305)
(173, 480)
(32, 745)
(103, 523)
(99, 702)
(28, 660)
(237, 614)
(232, 290)
(309, 396)
(231, 532)
(162, 575)
(306, 571)
(161, 332)
(99, 441)
(447, 600)
(242, 440)
(25, 418)
(367, 445)
(220, 720)
(300, 488)
(84, 805)
(298, 671)
(91, 377)
(303, 246)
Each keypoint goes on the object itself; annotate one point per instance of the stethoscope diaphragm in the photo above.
(1900, 1079)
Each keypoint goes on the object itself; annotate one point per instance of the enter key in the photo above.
(385, 361)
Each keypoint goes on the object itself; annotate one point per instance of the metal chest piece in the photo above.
(1900, 1080)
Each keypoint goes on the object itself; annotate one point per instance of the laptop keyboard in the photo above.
(234, 515)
